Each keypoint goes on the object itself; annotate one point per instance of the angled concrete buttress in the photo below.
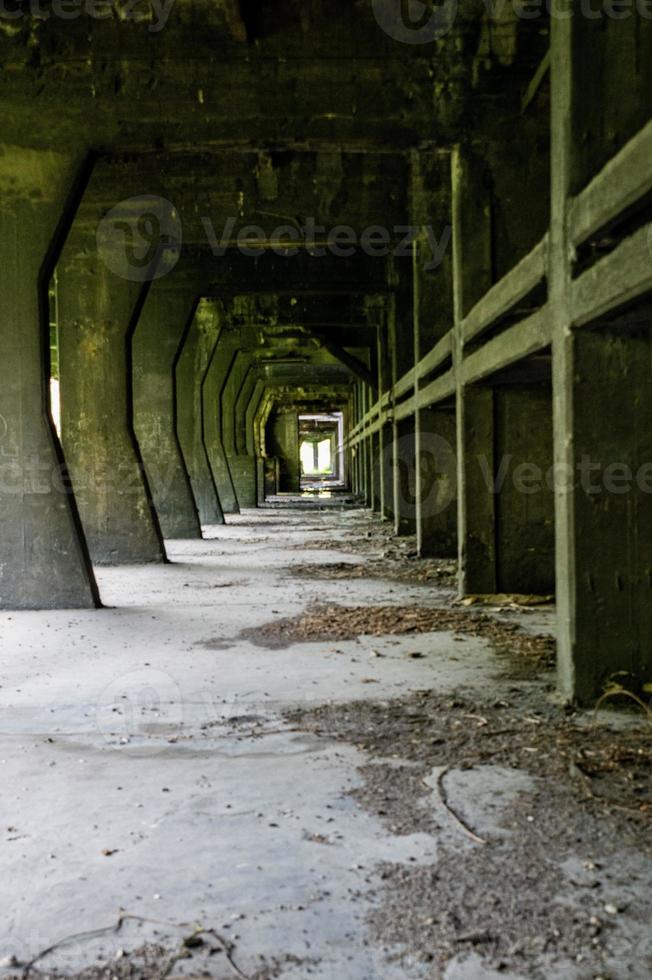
(98, 310)
(223, 356)
(44, 562)
(242, 466)
(191, 369)
(166, 314)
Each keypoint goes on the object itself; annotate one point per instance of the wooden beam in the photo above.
(620, 184)
(618, 279)
(505, 295)
(438, 390)
(524, 338)
(442, 350)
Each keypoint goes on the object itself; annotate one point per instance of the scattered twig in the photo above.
(228, 952)
(443, 796)
(227, 946)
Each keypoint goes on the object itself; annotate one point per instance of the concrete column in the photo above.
(165, 318)
(217, 374)
(366, 451)
(478, 545)
(98, 311)
(524, 501)
(606, 489)
(191, 370)
(241, 465)
(377, 483)
(433, 317)
(384, 440)
(402, 351)
(509, 540)
(405, 477)
(285, 447)
(602, 410)
(472, 277)
(44, 561)
(437, 484)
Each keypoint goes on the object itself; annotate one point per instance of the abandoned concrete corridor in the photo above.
(192, 774)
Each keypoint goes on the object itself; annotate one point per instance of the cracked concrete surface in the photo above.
(148, 767)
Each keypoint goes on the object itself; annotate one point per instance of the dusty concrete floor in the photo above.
(162, 775)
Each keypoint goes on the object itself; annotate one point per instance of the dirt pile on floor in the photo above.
(327, 623)
(429, 571)
(499, 895)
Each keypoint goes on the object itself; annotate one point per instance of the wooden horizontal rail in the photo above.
(439, 389)
(614, 281)
(405, 384)
(523, 339)
(511, 289)
(439, 353)
(404, 410)
(619, 185)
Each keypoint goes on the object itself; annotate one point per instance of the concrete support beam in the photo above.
(98, 312)
(191, 371)
(159, 335)
(44, 561)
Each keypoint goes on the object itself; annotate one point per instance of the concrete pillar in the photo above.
(285, 447)
(44, 561)
(478, 545)
(191, 370)
(472, 277)
(241, 465)
(217, 374)
(437, 484)
(401, 361)
(366, 452)
(98, 312)
(405, 478)
(524, 502)
(509, 541)
(166, 315)
(602, 402)
(606, 489)
(433, 317)
(384, 441)
(377, 482)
